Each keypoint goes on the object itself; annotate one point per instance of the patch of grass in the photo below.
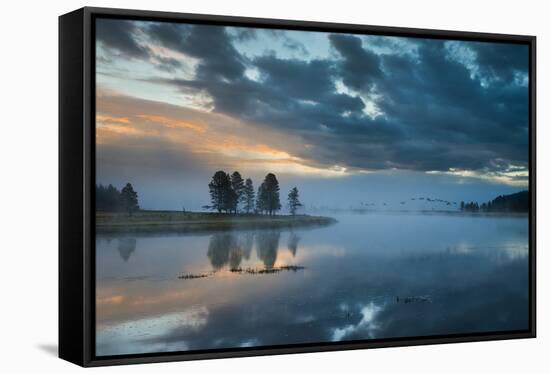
(152, 220)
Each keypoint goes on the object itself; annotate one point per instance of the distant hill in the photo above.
(516, 202)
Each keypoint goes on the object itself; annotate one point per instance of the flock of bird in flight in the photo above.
(446, 202)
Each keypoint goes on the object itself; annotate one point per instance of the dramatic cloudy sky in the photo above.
(346, 118)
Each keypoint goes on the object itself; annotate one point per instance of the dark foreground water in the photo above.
(368, 276)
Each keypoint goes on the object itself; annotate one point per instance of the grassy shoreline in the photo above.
(154, 221)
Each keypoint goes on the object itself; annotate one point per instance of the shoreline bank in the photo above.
(174, 221)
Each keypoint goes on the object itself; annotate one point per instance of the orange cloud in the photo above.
(247, 148)
(108, 131)
(173, 123)
(102, 119)
(218, 141)
(113, 300)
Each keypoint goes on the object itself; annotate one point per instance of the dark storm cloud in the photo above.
(219, 59)
(120, 36)
(451, 121)
(245, 34)
(169, 64)
(436, 115)
(296, 95)
(501, 60)
(297, 79)
(295, 46)
(360, 68)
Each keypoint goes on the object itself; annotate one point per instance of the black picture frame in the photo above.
(77, 174)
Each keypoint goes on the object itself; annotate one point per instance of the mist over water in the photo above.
(366, 277)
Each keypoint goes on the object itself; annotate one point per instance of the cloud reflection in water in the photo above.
(460, 275)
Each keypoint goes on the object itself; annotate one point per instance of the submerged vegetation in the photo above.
(192, 276)
(293, 268)
(251, 271)
(413, 299)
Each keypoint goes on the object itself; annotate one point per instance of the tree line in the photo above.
(514, 203)
(230, 193)
(111, 199)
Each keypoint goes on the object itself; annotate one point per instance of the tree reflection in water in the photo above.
(267, 244)
(293, 241)
(126, 246)
(230, 249)
(246, 241)
(219, 248)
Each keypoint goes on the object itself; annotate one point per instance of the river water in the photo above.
(368, 276)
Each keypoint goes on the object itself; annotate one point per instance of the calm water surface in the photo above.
(368, 276)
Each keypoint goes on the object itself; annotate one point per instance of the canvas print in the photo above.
(263, 187)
